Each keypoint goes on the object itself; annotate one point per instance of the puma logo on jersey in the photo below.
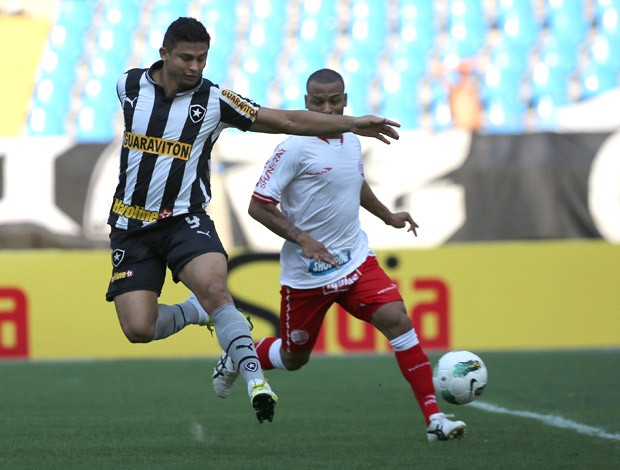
(131, 102)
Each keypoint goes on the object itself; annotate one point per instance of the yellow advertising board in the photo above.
(493, 296)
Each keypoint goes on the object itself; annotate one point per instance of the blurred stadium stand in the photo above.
(533, 56)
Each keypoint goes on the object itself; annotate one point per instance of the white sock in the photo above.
(173, 318)
(233, 333)
(203, 317)
(405, 341)
(274, 355)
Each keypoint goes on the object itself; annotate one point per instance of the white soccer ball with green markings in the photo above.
(460, 377)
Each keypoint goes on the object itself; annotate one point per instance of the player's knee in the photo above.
(215, 294)
(136, 333)
(392, 320)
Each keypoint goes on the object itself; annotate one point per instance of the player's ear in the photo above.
(345, 98)
(163, 53)
(306, 100)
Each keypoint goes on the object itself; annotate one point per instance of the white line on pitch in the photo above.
(551, 420)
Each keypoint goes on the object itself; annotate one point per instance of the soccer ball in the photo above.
(459, 377)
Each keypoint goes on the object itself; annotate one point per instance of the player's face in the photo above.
(184, 64)
(326, 98)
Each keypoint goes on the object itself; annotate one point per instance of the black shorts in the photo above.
(140, 257)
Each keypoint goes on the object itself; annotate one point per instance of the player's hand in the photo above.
(377, 127)
(400, 220)
(316, 250)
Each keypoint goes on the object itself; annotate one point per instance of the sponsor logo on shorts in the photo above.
(320, 268)
(117, 257)
(343, 283)
(300, 337)
(165, 213)
(121, 275)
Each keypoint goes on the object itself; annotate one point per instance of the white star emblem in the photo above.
(196, 113)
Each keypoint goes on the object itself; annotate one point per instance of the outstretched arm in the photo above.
(277, 121)
(370, 202)
(272, 218)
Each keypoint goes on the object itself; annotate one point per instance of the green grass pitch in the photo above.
(551, 410)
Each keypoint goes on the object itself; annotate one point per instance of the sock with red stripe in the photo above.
(268, 352)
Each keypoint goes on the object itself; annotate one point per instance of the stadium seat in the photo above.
(607, 17)
(567, 21)
(558, 54)
(318, 31)
(518, 22)
(76, 15)
(596, 78)
(405, 112)
(441, 116)
(358, 103)
(357, 63)
(369, 25)
(504, 114)
(500, 82)
(467, 27)
(49, 107)
(267, 27)
(509, 56)
(94, 126)
(417, 24)
(604, 51)
(550, 84)
(406, 59)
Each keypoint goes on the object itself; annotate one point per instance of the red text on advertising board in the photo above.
(13, 324)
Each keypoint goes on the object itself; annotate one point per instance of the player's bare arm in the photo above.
(276, 121)
(370, 202)
(272, 218)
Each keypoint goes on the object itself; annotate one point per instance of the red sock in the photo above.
(417, 370)
(262, 351)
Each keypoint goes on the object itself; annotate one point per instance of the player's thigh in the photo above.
(374, 298)
(206, 276)
(197, 258)
(302, 312)
(137, 312)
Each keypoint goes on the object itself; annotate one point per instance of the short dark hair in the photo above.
(325, 76)
(185, 29)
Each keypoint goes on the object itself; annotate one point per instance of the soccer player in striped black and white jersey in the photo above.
(172, 118)
(310, 194)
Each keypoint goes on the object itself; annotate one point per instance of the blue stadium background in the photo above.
(534, 56)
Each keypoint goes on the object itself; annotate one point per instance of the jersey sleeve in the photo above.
(278, 172)
(236, 110)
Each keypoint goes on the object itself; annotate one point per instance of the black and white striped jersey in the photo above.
(166, 148)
